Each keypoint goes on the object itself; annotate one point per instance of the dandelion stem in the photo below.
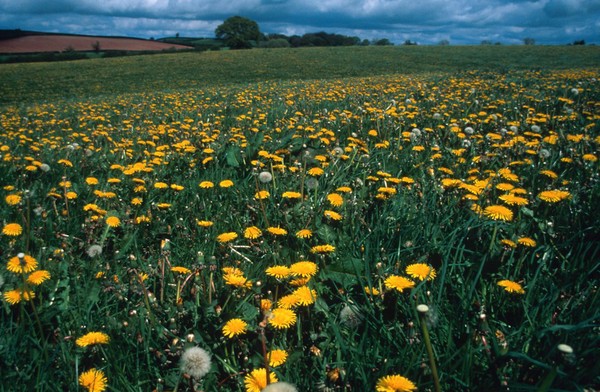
(423, 309)
(548, 380)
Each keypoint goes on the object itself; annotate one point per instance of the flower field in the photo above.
(226, 237)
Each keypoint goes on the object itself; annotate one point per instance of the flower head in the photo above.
(335, 199)
(277, 357)
(256, 380)
(12, 229)
(195, 361)
(322, 249)
(13, 297)
(94, 380)
(399, 283)
(305, 269)
(92, 338)
(12, 199)
(38, 277)
(252, 232)
(395, 383)
(22, 264)
(511, 287)
(280, 387)
(553, 196)
(498, 212)
(421, 271)
(113, 221)
(278, 271)
(234, 327)
(227, 237)
(304, 233)
(282, 318)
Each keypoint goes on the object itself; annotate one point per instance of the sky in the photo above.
(427, 22)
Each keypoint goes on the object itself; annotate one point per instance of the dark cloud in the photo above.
(424, 21)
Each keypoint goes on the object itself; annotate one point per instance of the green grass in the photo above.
(81, 79)
(421, 150)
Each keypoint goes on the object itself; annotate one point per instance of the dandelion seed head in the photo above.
(280, 386)
(94, 250)
(265, 177)
(196, 362)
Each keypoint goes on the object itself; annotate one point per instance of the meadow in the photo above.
(339, 219)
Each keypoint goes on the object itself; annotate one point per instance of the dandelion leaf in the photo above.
(233, 157)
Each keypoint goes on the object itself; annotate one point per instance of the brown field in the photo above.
(60, 43)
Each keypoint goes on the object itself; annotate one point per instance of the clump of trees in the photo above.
(238, 32)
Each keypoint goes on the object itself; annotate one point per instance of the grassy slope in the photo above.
(79, 79)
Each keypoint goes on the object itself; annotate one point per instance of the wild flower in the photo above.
(13, 297)
(322, 249)
(196, 362)
(277, 357)
(399, 283)
(553, 196)
(38, 277)
(511, 287)
(304, 233)
(395, 383)
(281, 318)
(280, 387)
(498, 212)
(256, 380)
(227, 237)
(252, 232)
(113, 221)
(234, 327)
(92, 338)
(421, 271)
(12, 229)
(22, 264)
(265, 177)
(93, 380)
(304, 268)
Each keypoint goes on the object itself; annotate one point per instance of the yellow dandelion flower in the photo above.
(291, 195)
(232, 271)
(589, 157)
(332, 215)
(304, 269)
(304, 233)
(142, 219)
(13, 297)
(399, 283)
(288, 301)
(136, 201)
(315, 172)
(553, 196)
(227, 237)
(387, 190)
(322, 249)
(94, 380)
(278, 271)
(497, 212)
(113, 221)
(237, 280)
(226, 184)
(252, 233)
(260, 195)
(335, 199)
(36, 278)
(92, 338)
(91, 181)
(22, 264)
(206, 184)
(512, 199)
(511, 287)
(344, 189)
(371, 291)
(204, 223)
(277, 230)
(234, 327)
(305, 295)
(161, 185)
(277, 357)
(12, 229)
(177, 187)
(281, 318)
(299, 282)
(12, 199)
(421, 271)
(266, 304)
(526, 241)
(395, 383)
(505, 186)
(181, 270)
(256, 380)
(508, 243)
(549, 174)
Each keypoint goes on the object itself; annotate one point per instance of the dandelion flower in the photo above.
(206, 184)
(315, 172)
(277, 357)
(92, 338)
(256, 380)
(226, 184)
(13, 297)
(553, 196)
(332, 215)
(196, 362)
(372, 291)
(234, 327)
(237, 280)
(278, 271)
(282, 318)
(291, 195)
(511, 287)
(399, 283)
(94, 380)
(335, 199)
(12, 229)
(280, 387)
(38, 277)
(322, 249)
(512, 199)
(227, 237)
(395, 383)
(21, 264)
(252, 232)
(181, 270)
(304, 233)
(91, 181)
(421, 271)
(204, 223)
(304, 268)
(113, 221)
(288, 301)
(526, 241)
(305, 295)
(498, 212)
(12, 199)
(161, 185)
(277, 230)
(260, 195)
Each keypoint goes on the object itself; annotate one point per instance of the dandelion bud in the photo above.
(196, 362)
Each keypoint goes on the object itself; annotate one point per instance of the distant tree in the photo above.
(177, 35)
(444, 42)
(528, 41)
(275, 43)
(580, 42)
(365, 42)
(486, 42)
(238, 32)
(409, 42)
(383, 42)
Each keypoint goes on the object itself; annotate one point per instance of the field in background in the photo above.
(85, 79)
(287, 211)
